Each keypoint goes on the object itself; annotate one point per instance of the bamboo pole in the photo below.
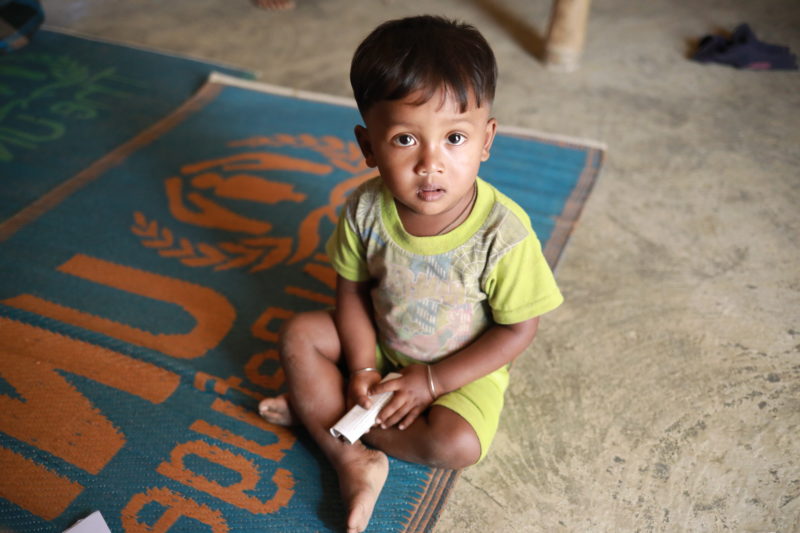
(566, 34)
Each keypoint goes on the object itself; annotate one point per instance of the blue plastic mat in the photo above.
(139, 304)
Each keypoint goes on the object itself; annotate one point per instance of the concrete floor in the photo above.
(665, 394)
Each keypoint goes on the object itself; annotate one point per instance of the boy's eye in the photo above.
(456, 138)
(404, 139)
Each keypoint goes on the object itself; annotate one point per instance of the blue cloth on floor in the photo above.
(19, 20)
(743, 50)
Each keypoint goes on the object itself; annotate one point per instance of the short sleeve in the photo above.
(522, 286)
(346, 251)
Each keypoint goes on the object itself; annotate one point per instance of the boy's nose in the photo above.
(429, 161)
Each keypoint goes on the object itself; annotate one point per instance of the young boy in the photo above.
(440, 276)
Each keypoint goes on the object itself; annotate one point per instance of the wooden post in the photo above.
(566, 34)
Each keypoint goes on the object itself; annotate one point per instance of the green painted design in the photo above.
(54, 90)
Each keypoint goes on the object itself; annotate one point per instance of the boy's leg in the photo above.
(310, 352)
(442, 439)
(277, 410)
(456, 431)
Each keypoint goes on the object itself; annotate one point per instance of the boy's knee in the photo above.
(295, 330)
(454, 444)
(293, 325)
(306, 333)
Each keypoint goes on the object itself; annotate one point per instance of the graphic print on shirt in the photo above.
(429, 305)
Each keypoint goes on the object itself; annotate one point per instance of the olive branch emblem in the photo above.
(264, 251)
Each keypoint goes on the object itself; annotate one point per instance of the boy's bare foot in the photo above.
(275, 5)
(277, 411)
(361, 482)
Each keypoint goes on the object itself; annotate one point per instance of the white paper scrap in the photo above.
(358, 420)
(94, 523)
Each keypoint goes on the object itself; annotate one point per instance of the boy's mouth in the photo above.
(430, 193)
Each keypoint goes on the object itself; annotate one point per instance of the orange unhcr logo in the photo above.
(71, 428)
(76, 430)
(204, 192)
(213, 314)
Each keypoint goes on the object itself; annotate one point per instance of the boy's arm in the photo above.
(498, 346)
(353, 318)
(495, 348)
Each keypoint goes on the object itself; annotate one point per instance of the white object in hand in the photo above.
(358, 420)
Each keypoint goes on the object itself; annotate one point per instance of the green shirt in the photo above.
(434, 295)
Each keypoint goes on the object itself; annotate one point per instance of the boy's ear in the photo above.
(362, 136)
(491, 130)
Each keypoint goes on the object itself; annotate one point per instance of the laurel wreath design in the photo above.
(256, 253)
(260, 253)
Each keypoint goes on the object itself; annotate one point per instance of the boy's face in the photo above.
(428, 154)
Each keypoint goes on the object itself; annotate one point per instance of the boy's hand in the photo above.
(359, 388)
(411, 397)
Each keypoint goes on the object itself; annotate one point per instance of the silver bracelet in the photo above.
(431, 386)
(367, 369)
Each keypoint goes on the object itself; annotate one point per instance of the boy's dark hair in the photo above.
(423, 53)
